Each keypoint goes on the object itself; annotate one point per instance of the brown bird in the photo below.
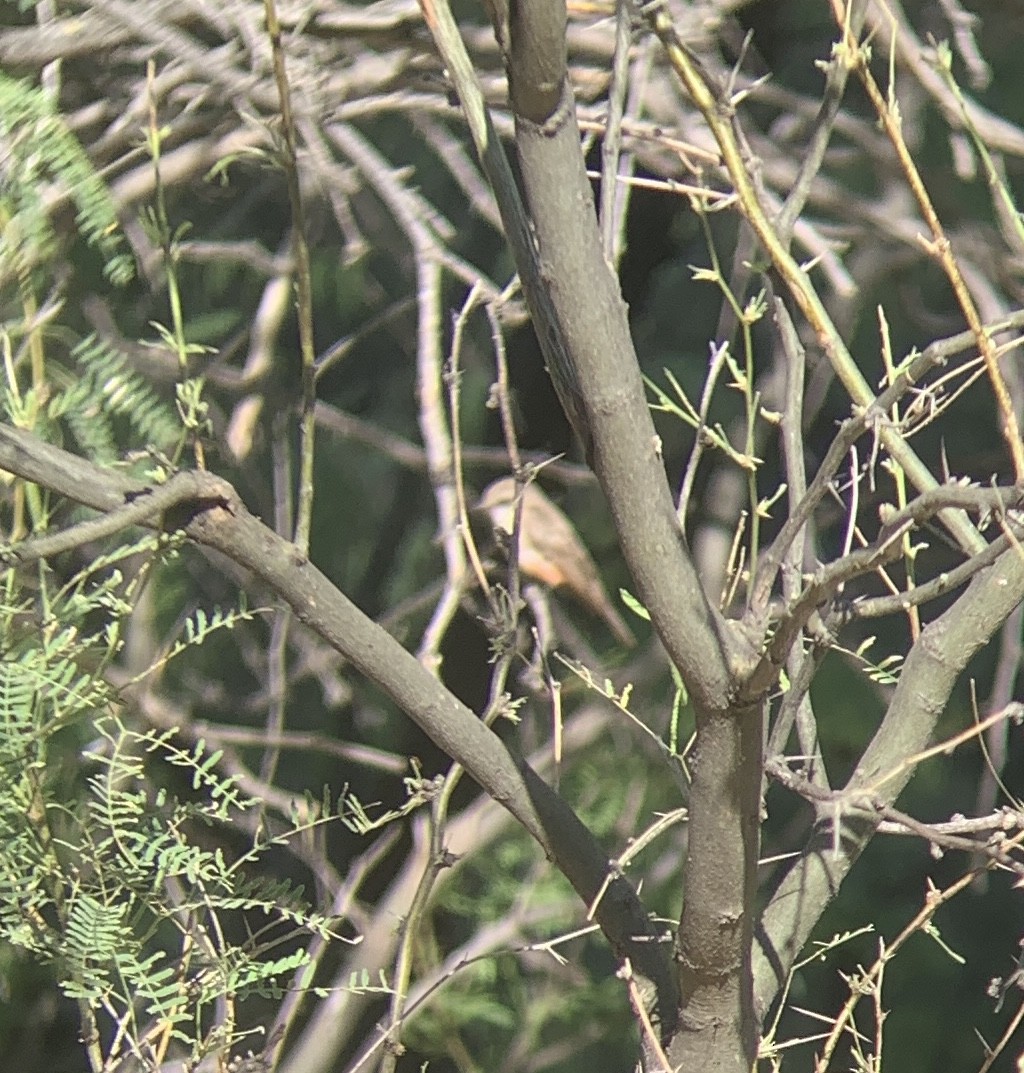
(550, 550)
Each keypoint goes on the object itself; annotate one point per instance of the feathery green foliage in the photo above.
(39, 150)
(101, 391)
(109, 877)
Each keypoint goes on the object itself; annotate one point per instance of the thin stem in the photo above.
(718, 114)
(939, 247)
(303, 287)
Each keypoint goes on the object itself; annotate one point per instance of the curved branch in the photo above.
(210, 513)
(933, 666)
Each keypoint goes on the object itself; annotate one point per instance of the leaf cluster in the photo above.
(105, 875)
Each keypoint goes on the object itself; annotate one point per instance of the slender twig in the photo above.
(800, 664)
(949, 836)
(837, 74)
(437, 860)
(437, 440)
(995, 743)
(863, 419)
(716, 363)
(303, 285)
(139, 509)
(939, 246)
(611, 145)
(877, 606)
(829, 580)
(933, 902)
(818, 593)
(454, 376)
(718, 114)
(1003, 1041)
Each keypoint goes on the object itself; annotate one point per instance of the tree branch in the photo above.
(932, 668)
(216, 518)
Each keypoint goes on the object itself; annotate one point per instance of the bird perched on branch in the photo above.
(550, 550)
